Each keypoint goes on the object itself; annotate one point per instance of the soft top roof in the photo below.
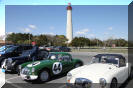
(116, 55)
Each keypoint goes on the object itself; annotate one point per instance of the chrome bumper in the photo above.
(28, 77)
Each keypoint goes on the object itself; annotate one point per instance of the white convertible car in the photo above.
(104, 71)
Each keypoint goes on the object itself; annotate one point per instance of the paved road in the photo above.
(14, 81)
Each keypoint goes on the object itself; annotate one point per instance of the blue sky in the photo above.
(89, 21)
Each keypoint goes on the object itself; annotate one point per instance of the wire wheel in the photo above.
(44, 76)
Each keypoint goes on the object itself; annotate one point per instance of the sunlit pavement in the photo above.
(2, 77)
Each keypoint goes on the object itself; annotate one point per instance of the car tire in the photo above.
(17, 69)
(44, 76)
(113, 83)
(131, 73)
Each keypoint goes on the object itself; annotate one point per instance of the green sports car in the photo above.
(57, 63)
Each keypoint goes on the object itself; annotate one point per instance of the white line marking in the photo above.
(12, 78)
(13, 84)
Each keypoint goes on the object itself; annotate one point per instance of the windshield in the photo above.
(2, 48)
(105, 59)
(27, 53)
(11, 49)
(53, 56)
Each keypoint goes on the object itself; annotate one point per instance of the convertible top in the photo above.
(116, 55)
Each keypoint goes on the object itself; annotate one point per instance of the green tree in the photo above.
(18, 38)
(80, 42)
(40, 40)
(118, 42)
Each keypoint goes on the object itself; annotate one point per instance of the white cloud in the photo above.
(110, 28)
(32, 26)
(51, 33)
(27, 30)
(85, 33)
(9, 33)
(82, 32)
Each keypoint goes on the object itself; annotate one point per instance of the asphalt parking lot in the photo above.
(15, 81)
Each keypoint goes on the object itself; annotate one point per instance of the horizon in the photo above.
(65, 36)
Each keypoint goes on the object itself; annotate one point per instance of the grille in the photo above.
(83, 83)
(25, 71)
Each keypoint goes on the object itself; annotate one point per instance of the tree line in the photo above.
(61, 40)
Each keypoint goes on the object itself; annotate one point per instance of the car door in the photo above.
(123, 70)
(66, 62)
(19, 51)
(16, 52)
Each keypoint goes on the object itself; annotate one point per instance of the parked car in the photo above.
(50, 48)
(57, 63)
(62, 49)
(13, 51)
(105, 71)
(12, 64)
(3, 48)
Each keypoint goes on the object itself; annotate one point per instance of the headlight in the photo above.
(102, 82)
(69, 76)
(10, 60)
(25, 71)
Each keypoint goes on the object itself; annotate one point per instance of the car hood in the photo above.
(93, 71)
(19, 57)
(39, 63)
(4, 53)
